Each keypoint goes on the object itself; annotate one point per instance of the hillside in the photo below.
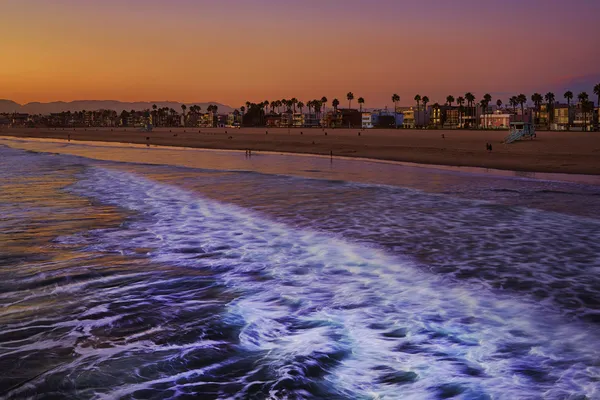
(9, 106)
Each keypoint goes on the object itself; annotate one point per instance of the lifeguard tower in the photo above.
(520, 130)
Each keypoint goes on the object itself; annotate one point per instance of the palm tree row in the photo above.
(467, 104)
(514, 101)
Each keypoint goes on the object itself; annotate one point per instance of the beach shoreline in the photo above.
(550, 152)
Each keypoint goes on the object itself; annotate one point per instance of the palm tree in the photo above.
(470, 97)
(436, 113)
(487, 99)
(425, 101)
(183, 108)
(499, 104)
(460, 101)
(294, 101)
(583, 99)
(597, 92)
(537, 99)
(568, 96)
(350, 97)
(300, 106)
(323, 103)
(335, 103)
(361, 101)
(317, 104)
(522, 99)
(513, 102)
(483, 106)
(243, 110)
(450, 100)
(395, 99)
(418, 100)
(550, 98)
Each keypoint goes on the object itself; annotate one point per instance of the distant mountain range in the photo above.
(9, 106)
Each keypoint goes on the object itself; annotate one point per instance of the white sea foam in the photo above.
(374, 323)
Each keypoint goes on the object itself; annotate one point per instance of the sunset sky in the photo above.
(230, 51)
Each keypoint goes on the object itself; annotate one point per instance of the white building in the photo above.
(367, 120)
(496, 120)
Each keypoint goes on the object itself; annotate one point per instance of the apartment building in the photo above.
(367, 120)
(408, 117)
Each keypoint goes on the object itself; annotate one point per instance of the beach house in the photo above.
(332, 119)
(298, 120)
(498, 119)
(450, 117)
(563, 117)
(367, 120)
(311, 120)
(583, 119)
(408, 117)
(273, 120)
(422, 117)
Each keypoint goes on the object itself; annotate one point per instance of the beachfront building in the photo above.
(298, 120)
(206, 120)
(542, 116)
(471, 116)
(234, 119)
(287, 119)
(450, 117)
(351, 118)
(273, 120)
(88, 118)
(399, 120)
(445, 117)
(332, 119)
(312, 120)
(563, 117)
(496, 120)
(526, 116)
(408, 117)
(367, 120)
(387, 119)
(422, 117)
(220, 120)
(583, 119)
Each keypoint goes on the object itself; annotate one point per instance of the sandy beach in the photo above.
(559, 152)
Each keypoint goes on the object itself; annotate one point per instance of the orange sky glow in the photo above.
(231, 51)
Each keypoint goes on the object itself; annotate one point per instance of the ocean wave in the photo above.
(356, 321)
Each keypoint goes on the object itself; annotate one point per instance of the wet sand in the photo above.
(559, 152)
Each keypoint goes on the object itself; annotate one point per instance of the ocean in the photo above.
(288, 277)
